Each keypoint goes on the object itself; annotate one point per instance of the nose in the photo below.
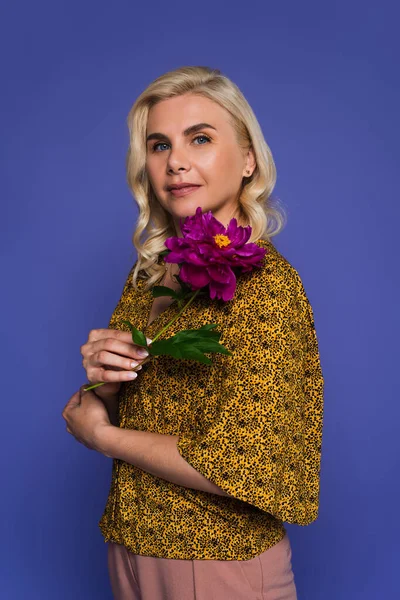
(177, 161)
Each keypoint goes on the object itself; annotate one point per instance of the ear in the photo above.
(250, 163)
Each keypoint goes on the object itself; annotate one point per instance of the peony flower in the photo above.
(208, 252)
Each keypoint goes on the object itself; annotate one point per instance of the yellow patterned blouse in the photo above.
(251, 422)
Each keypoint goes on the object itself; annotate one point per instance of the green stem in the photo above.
(176, 316)
(94, 386)
(193, 296)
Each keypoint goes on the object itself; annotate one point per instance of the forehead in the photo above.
(175, 114)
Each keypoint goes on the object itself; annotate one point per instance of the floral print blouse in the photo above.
(251, 422)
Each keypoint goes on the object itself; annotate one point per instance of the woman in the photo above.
(209, 461)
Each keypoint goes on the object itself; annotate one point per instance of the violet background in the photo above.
(323, 82)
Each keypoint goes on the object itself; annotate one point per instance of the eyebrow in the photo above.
(188, 131)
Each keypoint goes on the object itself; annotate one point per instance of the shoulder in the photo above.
(277, 280)
(271, 310)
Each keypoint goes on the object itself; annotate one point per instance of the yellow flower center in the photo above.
(222, 240)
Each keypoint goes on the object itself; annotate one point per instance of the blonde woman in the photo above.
(208, 461)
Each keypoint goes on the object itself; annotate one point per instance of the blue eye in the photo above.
(202, 136)
(196, 138)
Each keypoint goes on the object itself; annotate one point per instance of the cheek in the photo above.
(154, 165)
(157, 182)
(151, 171)
(216, 165)
(211, 163)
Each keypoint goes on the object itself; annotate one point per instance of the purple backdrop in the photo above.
(322, 82)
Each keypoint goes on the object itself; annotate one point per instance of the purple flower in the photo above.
(208, 252)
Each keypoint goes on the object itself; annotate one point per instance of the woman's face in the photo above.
(207, 156)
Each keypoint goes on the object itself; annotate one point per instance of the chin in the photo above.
(187, 209)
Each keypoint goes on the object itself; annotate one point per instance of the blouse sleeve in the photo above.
(264, 445)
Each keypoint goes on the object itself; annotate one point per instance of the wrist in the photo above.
(110, 401)
(104, 394)
(104, 435)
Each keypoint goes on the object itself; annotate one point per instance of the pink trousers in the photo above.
(268, 576)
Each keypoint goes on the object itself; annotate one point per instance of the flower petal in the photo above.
(220, 273)
(196, 277)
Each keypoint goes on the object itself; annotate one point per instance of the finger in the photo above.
(99, 334)
(105, 358)
(118, 346)
(82, 392)
(75, 400)
(105, 375)
(123, 336)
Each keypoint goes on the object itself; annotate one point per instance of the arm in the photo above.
(264, 444)
(152, 452)
(155, 453)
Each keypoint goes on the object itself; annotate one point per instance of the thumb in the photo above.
(74, 401)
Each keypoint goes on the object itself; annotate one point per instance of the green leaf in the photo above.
(191, 343)
(163, 290)
(195, 354)
(137, 336)
(203, 331)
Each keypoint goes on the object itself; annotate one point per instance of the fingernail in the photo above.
(142, 352)
(132, 375)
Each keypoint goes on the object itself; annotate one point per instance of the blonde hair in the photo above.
(154, 222)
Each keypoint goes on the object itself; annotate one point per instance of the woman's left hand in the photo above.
(86, 415)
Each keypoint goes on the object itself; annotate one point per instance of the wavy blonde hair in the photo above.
(154, 224)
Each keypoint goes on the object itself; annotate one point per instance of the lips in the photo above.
(181, 187)
(183, 191)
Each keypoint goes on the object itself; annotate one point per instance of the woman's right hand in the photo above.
(109, 356)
